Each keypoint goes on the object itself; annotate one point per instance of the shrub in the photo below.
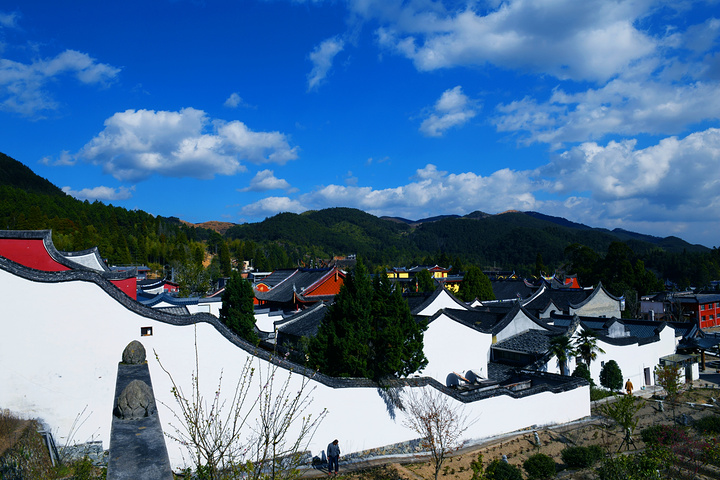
(611, 376)
(499, 470)
(583, 371)
(539, 466)
(630, 467)
(663, 435)
(708, 425)
(599, 394)
(581, 457)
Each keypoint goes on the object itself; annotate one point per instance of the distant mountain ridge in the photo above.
(512, 238)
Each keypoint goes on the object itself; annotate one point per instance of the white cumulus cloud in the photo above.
(590, 40)
(452, 109)
(23, 86)
(265, 180)
(138, 143)
(234, 101)
(322, 59)
(101, 193)
(271, 205)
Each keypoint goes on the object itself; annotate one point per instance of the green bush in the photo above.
(708, 425)
(611, 376)
(630, 467)
(663, 435)
(499, 470)
(582, 371)
(539, 466)
(581, 457)
(599, 394)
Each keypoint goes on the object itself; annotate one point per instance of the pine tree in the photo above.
(397, 338)
(342, 344)
(476, 284)
(237, 311)
(368, 332)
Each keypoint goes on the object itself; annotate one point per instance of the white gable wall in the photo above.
(599, 305)
(443, 300)
(58, 359)
(453, 347)
(521, 323)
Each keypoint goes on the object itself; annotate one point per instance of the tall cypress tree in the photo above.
(237, 311)
(397, 338)
(342, 344)
(368, 332)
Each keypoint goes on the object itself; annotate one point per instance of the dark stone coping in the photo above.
(137, 446)
(185, 320)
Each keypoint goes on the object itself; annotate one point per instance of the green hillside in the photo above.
(508, 241)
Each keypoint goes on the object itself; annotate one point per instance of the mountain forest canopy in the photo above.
(521, 242)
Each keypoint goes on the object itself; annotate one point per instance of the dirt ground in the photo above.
(694, 403)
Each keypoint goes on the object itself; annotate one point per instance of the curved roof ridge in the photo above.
(535, 295)
(300, 315)
(438, 291)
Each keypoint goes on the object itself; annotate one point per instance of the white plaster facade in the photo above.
(451, 346)
(58, 359)
(599, 304)
(637, 362)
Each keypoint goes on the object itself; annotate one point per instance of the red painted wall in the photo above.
(30, 253)
(128, 286)
(710, 309)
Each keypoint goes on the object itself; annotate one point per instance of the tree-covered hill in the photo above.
(513, 240)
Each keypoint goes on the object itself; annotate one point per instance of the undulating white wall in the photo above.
(633, 359)
(62, 342)
(453, 347)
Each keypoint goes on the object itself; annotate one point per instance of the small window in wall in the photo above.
(146, 331)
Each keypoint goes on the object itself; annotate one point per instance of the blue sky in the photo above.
(602, 112)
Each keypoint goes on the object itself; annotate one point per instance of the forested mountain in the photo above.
(521, 241)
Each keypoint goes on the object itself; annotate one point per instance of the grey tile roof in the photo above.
(535, 342)
(277, 276)
(512, 289)
(304, 323)
(296, 283)
(562, 298)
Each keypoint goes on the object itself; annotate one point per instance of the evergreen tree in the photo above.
(225, 264)
(342, 345)
(582, 371)
(611, 376)
(397, 338)
(237, 311)
(476, 284)
(425, 281)
(368, 332)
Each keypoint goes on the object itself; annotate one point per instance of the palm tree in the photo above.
(562, 348)
(586, 347)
